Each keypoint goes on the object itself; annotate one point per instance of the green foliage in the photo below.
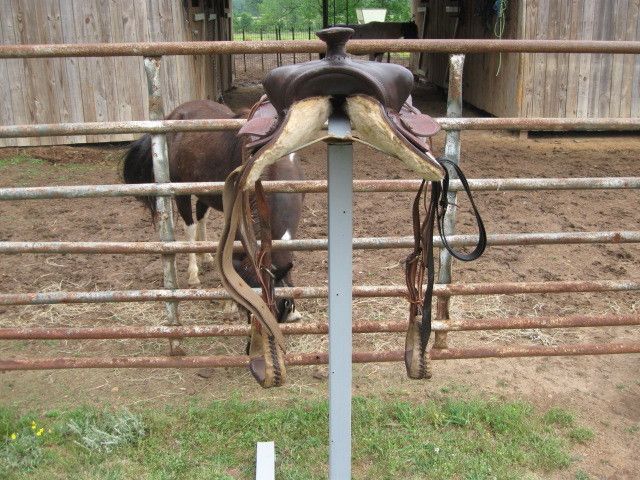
(581, 435)
(302, 14)
(106, 431)
(560, 417)
(21, 442)
(472, 439)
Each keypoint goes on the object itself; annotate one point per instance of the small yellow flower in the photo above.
(13, 436)
(40, 432)
(49, 431)
(33, 425)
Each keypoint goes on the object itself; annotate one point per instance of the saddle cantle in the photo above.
(299, 100)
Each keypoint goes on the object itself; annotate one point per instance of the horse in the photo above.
(210, 157)
(383, 30)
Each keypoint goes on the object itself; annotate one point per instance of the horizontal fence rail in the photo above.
(320, 358)
(367, 291)
(356, 47)
(165, 126)
(314, 244)
(318, 328)
(316, 186)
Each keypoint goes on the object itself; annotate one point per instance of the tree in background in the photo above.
(308, 13)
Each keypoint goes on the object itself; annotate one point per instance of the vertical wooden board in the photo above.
(33, 31)
(121, 81)
(142, 23)
(32, 102)
(539, 73)
(84, 23)
(584, 68)
(46, 22)
(573, 68)
(628, 86)
(9, 104)
(107, 64)
(67, 99)
(72, 66)
(600, 86)
(550, 101)
(170, 93)
(530, 62)
(184, 63)
(136, 80)
(562, 66)
(621, 10)
(635, 89)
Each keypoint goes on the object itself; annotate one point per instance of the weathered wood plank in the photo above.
(635, 89)
(6, 81)
(26, 71)
(540, 62)
(550, 101)
(573, 68)
(584, 68)
(600, 86)
(71, 73)
(632, 32)
(565, 31)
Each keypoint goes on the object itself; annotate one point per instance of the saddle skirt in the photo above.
(293, 114)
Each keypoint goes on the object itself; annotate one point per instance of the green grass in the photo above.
(462, 439)
(21, 159)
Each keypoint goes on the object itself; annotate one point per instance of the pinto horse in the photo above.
(210, 157)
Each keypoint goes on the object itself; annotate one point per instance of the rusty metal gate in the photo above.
(168, 247)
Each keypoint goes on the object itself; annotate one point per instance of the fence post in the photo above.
(164, 204)
(244, 55)
(309, 39)
(262, 54)
(452, 152)
(278, 55)
(293, 37)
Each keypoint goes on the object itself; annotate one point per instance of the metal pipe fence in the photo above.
(168, 247)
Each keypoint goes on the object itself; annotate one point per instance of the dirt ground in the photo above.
(602, 391)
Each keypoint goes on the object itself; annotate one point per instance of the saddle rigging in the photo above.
(299, 100)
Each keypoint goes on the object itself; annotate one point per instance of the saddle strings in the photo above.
(421, 258)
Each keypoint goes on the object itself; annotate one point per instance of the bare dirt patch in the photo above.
(603, 391)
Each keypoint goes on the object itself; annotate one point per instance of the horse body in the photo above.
(210, 157)
(383, 30)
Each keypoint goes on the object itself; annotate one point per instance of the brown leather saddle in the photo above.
(299, 100)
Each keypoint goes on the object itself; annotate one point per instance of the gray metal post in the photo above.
(340, 193)
(164, 205)
(452, 152)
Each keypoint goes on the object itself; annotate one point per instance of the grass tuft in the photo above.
(581, 435)
(103, 432)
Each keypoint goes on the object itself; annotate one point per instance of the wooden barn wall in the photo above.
(497, 95)
(93, 89)
(549, 85)
(571, 85)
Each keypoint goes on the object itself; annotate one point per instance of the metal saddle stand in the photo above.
(299, 100)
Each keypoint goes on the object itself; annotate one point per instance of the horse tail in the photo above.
(137, 167)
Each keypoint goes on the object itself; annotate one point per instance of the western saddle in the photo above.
(298, 102)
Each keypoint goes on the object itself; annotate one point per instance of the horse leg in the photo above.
(183, 203)
(202, 212)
